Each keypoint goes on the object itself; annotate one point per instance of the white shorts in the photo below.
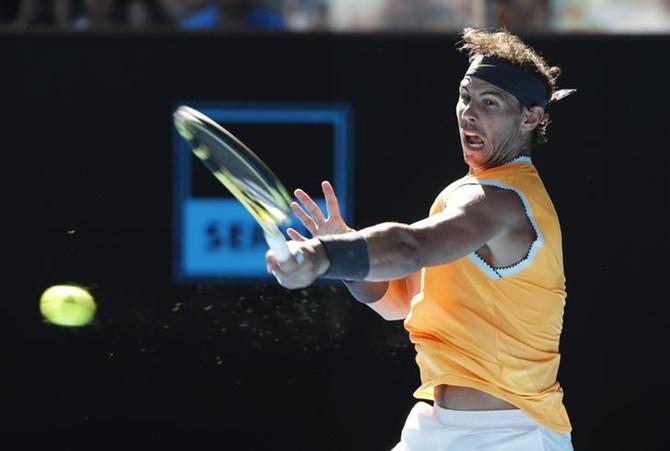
(432, 428)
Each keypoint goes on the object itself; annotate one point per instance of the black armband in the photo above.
(348, 256)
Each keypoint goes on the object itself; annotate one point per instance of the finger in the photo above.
(271, 263)
(287, 266)
(310, 205)
(287, 273)
(332, 205)
(306, 219)
(278, 277)
(295, 235)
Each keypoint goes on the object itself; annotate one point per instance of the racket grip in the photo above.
(277, 243)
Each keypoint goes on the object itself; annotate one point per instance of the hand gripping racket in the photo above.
(241, 172)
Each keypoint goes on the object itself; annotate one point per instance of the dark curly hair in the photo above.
(504, 45)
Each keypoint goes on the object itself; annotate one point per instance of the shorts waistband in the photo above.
(484, 419)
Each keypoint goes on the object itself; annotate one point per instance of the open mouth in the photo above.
(473, 140)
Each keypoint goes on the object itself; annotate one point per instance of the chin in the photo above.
(471, 154)
(475, 158)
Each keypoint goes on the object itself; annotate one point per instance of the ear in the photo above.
(532, 117)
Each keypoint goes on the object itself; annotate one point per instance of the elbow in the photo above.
(396, 315)
(391, 309)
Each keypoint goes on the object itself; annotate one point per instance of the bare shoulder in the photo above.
(497, 204)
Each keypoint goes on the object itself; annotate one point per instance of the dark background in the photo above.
(86, 174)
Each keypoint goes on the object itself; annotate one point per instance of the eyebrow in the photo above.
(493, 93)
(498, 94)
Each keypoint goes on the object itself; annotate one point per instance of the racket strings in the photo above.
(236, 167)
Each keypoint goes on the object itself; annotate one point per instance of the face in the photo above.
(491, 124)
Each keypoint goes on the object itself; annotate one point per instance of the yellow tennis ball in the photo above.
(67, 305)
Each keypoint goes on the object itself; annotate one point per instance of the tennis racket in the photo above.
(241, 172)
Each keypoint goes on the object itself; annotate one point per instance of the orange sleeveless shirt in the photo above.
(497, 329)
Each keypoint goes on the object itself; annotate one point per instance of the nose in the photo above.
(468, 113)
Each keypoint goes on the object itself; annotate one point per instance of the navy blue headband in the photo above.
(529, 89)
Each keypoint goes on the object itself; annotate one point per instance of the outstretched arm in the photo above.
(475, 215)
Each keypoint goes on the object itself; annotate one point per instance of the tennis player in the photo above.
(479, 282)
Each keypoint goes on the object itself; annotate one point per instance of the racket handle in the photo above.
(277, 243)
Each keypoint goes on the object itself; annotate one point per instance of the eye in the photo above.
(489, 102)
(465, 97)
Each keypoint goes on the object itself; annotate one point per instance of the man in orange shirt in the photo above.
(479, 282)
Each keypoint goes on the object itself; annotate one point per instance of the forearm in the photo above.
(375, 254)
(393, 251)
